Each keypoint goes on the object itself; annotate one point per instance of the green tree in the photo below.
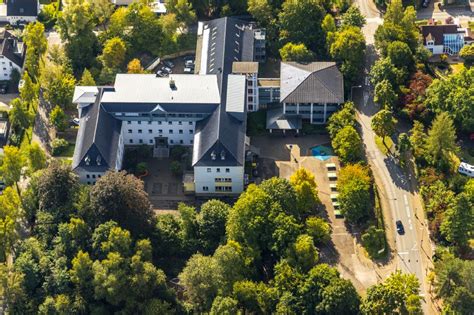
(348, 49)
(253, 297)
(373, 240)
(101, 11)
(294, 27)
(353, 17)
(87, 79)
(262, 11)
(404, 147)
(441, 140)
(328, 24)
(224, 306)
(120, 197)
(383, 124)
(348, 145)
(354, 192)
(295, 52)
(418, 139)
(319, 229)
(385, 95)
(58, 118)
(76, 25)
(57, 83)
(201, 281)
(19, 116)
(211, 222)
(467, 53)
(400, 55)
(36, 46)
(306, 191)
(383, 69)
(339, 297)
(29, 91)
(113, 54)
(233, 263)
(342, 118)
(183, 10)
(453, 96)
(303, 255)
(12, 165)
(394, 295)
(458, 223)
(10, 223)
(35, 156)
(283, 192)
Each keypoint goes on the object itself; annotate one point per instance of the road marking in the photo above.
(407, 208)
(403, 253)
(414, 246)
(409, 222)
(405, 199)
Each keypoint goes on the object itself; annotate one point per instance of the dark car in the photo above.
(3, 88)
(426, 3)
(168, 63)
(400, 228)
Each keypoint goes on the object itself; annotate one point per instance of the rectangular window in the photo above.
(180, 122)
(218, 170)
(191, 131)
(170, 122)
(139, 131)
(160, 130)
(129, 130)
(190, 141)
(180, 131)
(88, 176)
(227, 170)
(171, 131)
(159, 122)
(150, 131)
(139, 122)
(208, 170)
(131, 140)
(149, 122)
(191, 123)
(140, 141)
(93, 176)
(151, 141)
(129, 122)
(205, 188)
(171, 141)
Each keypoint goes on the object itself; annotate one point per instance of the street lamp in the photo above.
(355, 86)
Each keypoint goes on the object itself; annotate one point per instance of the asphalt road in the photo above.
(395, 184)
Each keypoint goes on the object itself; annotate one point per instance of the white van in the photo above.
(466, 169)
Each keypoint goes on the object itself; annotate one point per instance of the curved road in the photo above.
(398, 188)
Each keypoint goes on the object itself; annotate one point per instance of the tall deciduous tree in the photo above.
(295, 28)
(121, 197)
(20, 117)
(441, 140)
(418, 140)
(36, 46)
(12, 165)
(57, 83)
(211, 221)
(306, 191)
(295, 52)
(134, 66)
(35, 156)
(354, 186)
(383, 124)
(113, 54)
(342, 118)
(400, 55)
(87, 79)
(385, 95)
(458, 223)
(348, 145)
(353, 17)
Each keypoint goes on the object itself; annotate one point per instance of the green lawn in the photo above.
(381, 146)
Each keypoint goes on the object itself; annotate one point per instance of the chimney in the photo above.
(172, 84)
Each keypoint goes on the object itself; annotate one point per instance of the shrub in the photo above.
(58, 146)
(176, 168)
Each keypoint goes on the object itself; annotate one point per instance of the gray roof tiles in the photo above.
(316, 82)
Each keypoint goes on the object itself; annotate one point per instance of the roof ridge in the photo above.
(296, 87)
(325, 86)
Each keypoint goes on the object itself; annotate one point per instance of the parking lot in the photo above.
(179, 65)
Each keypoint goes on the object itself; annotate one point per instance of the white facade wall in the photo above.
(435, 49)
(178, 132)
(252, 92)
(316, 113)
(88, 178)
(16, 19)
(6, 68)
(207, 180)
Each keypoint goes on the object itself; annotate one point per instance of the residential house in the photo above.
(157, 6)
(12, 54)
(446, 38)
(19, 11)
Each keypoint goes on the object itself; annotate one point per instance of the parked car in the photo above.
(400, 228)
(166, 70)
(188, 70)
(426, 3)
(160, 73)
(75, 121)
(168, 63)
(466, 169)
(189, 63)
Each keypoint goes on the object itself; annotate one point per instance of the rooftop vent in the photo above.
(213, 155)
(172, 84)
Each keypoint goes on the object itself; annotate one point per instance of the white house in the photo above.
(12, 54)
(445, 39)
(157, 6)
(19, 11)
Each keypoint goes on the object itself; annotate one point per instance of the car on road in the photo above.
(400, 228)
(189, 63)
(188, 70)
(168, 63)
(160, 73)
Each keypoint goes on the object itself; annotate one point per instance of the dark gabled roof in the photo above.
(315, 82)
(97, 139)
(12, 48)
(222, 132)
(436, 32)
(22, 7)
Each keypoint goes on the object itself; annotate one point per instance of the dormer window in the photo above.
(213, 155)
(430, 43)
(87, 160)
(222, 155)
(98, 160)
